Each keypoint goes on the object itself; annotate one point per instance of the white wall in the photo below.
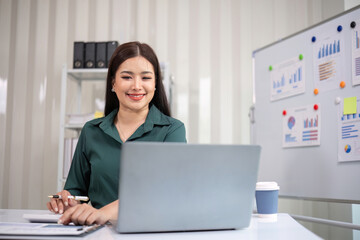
(208, 44)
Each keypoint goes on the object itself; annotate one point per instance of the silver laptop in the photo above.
(168, 187)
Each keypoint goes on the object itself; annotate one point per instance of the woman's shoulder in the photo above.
(173, 121)
(164, 119)
(105, 120)
(93, 124)
(176, 131)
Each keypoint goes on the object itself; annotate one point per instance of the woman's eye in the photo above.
(126, 77)
(146, 78)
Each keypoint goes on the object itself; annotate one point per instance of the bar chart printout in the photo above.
(287, 79)
(349, 134)
(301, 127)
(356, 55)
(328, 59)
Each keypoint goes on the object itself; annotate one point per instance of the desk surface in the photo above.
(284, 228)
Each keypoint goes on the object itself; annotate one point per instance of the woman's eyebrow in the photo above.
(131, 73)
(128, 72)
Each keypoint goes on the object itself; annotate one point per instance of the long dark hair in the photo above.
(120, 55)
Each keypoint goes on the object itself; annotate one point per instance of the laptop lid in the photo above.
(185, 187)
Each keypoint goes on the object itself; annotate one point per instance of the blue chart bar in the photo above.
(294, 77)
(310, 135)
(355, 136)
(357, 66)
(289, 138)
(349, 132)
(312, 122)
(350, 116)
(329, 49)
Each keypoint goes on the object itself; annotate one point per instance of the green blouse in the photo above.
(94, 169)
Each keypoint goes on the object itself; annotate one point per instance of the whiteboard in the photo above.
(311, 171)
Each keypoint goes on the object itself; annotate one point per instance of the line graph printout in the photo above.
(287, 79)
(301, 127)
(328, 56)
(349, 134)
(355, 39)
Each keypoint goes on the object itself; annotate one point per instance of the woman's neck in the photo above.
(128, 121)
(128, 117)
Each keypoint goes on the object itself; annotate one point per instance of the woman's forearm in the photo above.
(111, 210)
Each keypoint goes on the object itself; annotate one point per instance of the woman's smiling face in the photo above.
(134, 84)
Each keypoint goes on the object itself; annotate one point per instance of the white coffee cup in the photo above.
(267, 199)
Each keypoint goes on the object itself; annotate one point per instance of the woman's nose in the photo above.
(137, 83)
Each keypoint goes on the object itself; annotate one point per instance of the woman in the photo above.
(136, 109)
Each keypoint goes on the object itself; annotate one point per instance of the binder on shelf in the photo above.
(100, 55)
(90, 48)
(110, 48)
(79, 49)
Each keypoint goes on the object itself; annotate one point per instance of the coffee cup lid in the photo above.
(267, 186)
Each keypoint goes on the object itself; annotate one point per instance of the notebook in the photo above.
(167, 187)
(41, 229)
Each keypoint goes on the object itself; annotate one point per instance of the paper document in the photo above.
(42, 218)
(287, 79)
(302, 126)
(349, 130)
(329, 60)
(40, 229)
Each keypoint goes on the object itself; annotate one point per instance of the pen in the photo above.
(78, 198)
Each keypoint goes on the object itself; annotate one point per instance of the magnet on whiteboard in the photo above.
(342, 84)
(337, 100)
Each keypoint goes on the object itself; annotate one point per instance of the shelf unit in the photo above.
(79, 76)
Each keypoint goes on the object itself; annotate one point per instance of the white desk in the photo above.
(285, 228)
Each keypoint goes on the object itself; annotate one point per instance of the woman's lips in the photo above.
(135, 97)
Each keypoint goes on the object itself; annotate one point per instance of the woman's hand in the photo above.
(84, 214)
(61, 205)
